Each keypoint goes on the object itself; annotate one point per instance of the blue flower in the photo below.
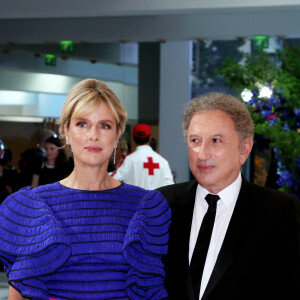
(272, 122)
(297, 111)
(254, 93)
(268, 105)
(274, 101)
(280, 165)
(259, 104)
(252, 101)
(286, 127)
(298, 161)
(286, 114)
(266, 113)
(285, 178)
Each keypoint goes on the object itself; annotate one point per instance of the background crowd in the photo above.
(47, 162)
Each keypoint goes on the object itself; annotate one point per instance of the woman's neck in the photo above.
(93, 179)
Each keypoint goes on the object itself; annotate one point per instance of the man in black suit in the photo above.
(254, 248)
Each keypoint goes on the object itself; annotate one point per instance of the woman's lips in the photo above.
(93, 149)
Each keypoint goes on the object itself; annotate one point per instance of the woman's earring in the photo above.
(115, 150)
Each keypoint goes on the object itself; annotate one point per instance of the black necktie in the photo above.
(202, 244)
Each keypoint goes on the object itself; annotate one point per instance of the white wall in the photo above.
(42, 95)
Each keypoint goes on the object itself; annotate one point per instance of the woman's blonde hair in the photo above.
(84, 97)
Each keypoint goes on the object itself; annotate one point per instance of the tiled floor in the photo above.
(3, 286)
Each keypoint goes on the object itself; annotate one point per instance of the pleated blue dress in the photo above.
(62, 243)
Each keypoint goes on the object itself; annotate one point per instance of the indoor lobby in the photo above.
(156, 56)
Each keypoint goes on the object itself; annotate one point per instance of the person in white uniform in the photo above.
(144, 167)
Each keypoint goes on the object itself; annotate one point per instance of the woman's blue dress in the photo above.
(62, 243)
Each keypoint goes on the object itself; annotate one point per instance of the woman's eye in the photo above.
(105, 126)
(81, 124)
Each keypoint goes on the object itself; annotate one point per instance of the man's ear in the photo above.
(246, 148)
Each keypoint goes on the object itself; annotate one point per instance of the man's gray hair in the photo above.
(226, 103)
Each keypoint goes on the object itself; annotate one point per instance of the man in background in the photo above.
(144, 167)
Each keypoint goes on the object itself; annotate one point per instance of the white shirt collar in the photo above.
(140, 147)
(227, 195)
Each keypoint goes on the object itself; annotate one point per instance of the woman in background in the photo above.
(54, 168)
(88, 236)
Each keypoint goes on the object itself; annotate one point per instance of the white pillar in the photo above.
(175, 92)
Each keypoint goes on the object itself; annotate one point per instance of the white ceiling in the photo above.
(114, 8)
(96, 21)
(98, 26)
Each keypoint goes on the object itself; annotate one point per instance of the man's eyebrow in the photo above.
(217, 135)
(193, 136)
(212, 135)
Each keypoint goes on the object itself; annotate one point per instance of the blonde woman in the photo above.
(88, 236)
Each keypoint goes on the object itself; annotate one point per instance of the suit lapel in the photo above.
(239, 225)
(184, 222)
(187, 213)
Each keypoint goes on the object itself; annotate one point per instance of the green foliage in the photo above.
(278, 117)
(252, 70)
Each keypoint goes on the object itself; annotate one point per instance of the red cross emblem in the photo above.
(150, 165)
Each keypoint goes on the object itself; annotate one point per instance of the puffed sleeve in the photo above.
(32, 242)
(146, 242)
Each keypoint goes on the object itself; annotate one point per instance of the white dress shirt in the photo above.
(225, 207)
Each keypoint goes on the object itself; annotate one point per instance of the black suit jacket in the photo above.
(260, 255)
